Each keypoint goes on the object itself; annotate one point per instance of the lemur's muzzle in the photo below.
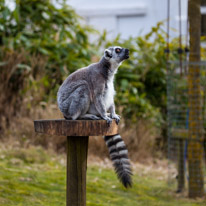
(126, 55)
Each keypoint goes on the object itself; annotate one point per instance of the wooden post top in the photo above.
(75, 127)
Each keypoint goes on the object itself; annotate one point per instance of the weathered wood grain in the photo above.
(77, 148)
(75, 127)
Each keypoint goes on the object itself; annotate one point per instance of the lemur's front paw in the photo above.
(116, 117)
(108, 119)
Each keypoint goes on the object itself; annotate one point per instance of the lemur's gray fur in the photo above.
(88, 93)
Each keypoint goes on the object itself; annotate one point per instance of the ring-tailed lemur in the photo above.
(88, 93)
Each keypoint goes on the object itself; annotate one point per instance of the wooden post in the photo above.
(195, 147)
(181, 168)
(77, 148)
(77, 132)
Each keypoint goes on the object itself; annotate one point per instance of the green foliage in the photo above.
(40, 44)
(40, 28)
(141, 80)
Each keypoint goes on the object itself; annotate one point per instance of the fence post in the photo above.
(181, 168)
(195, 148)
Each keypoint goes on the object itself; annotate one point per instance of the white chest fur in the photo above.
(109, 94)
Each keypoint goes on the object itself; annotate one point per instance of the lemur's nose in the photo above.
(127, 51)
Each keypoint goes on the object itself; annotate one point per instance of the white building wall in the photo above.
(131, 17)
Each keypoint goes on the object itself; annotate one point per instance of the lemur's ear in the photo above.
(107, 53)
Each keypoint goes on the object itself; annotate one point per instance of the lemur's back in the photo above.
(71, 83)
(72, 79)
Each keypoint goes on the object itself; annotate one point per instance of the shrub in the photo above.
(141, 80)
(39, 44)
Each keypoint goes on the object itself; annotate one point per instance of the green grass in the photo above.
(32, 177)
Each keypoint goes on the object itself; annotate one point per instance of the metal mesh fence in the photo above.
(186, 93)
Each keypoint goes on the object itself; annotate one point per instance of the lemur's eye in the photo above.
(117, 50)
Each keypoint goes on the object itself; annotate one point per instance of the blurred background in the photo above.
(133, 18)
(41, 43)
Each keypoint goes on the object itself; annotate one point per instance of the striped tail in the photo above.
(119, 156)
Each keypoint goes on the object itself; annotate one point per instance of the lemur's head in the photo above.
(116, 54)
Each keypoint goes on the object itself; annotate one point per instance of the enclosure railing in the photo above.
(186, 107)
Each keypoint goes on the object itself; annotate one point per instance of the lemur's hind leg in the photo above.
(89, 117)
(79, 103)
(67, 118)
